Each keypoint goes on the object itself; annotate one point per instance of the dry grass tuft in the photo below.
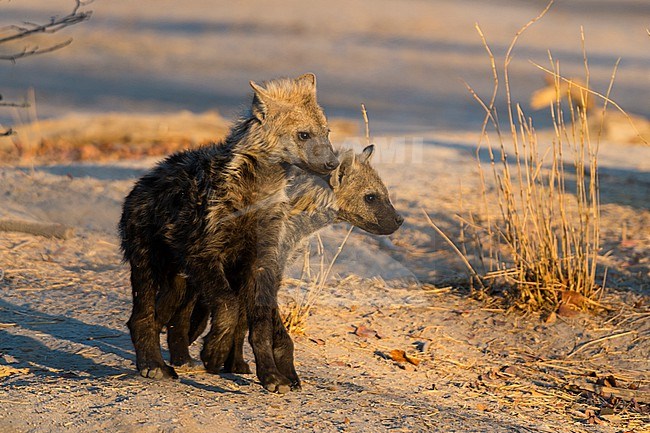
(538, 237)
(308, 287)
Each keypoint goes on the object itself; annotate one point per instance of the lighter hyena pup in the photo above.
(219, 211)
(353, 193)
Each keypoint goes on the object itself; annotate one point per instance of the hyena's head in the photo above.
(361, 196)
(294, 124)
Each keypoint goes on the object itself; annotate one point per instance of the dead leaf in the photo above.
(398, 355)
(571, 297)
(606, 411)
(6, 370)
(413, 360)
(318, 341)
(566, 310)
(365, 332)
(609, 381)
(481, 407)
(551, 318)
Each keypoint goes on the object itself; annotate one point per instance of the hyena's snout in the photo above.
(321, 157)
(389, 221)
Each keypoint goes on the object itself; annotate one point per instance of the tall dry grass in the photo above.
(537, 237)
(308, 287)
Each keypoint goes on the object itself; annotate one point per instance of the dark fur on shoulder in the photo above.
(208, 222)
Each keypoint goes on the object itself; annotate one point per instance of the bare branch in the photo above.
(17, 32)
(34, 51)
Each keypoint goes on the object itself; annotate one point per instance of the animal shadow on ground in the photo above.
(65, 360)
(28, 349)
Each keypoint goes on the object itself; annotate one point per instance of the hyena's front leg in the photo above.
(283, 352)
(261, 310)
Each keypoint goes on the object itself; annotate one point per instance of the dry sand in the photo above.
(64, 346)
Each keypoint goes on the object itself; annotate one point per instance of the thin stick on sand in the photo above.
(50, 230)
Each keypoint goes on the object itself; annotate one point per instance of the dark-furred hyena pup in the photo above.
(220, 210)
(353, 193)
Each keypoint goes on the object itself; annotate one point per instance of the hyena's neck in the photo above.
(309, 193)
(256, 171)
(313, 207)
(299, 227)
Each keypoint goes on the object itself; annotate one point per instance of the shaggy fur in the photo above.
(208, 222)
(353, 193)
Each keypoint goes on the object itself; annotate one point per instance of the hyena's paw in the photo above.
(157, 372)
(287, 369)
(275, 382)
(296, 385)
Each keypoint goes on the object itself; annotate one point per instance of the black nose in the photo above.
(399, 220)
(332, 164)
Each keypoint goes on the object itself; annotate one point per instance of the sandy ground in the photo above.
(64, 346)
(65, 303)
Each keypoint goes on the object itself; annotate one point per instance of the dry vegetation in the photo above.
(537, 238)
(116, 136)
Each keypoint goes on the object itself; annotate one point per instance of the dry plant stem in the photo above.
(608, 391)
(53, 26)
(472, 273)
(598, 340)
(336, 256)
(605, 98)
(364, 113)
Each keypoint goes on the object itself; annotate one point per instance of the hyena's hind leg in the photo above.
(223, 304)
(145, 328)
(198, 320)
(235, 362)
(178, 327)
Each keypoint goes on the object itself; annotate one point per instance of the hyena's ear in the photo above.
(366, 155)
(308, 82)
(307, 78)
(346, 159)
(261, 101)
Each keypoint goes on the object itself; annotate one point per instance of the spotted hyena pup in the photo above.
(353, 193)
(215, 215)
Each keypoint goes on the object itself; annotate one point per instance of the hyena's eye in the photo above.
(370, 198)
(304, 136)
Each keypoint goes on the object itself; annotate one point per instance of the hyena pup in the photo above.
(219, 211)
(353, 193)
